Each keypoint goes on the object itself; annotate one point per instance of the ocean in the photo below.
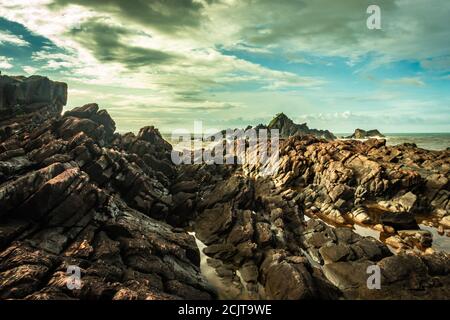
(429, 141)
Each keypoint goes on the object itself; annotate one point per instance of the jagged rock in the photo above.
(91, 111)
(291, 279)
(243, 229)
(263, 232)
(396, 242)
(185, 186)
(404, 203)
(288, 128)
(340, 244)
(28, 91)
(213, 222)
(288, 282)
(68, 187)
(85, 112)
(336, 253)
(220, 251)
(401, 276)
(423, 238)
(74, 193)
(437, 264)
(362, 134)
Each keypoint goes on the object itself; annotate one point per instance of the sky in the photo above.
(230, 63)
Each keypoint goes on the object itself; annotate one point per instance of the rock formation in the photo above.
(256, 226)
(75, 193)
(363, 134)
(288, 128)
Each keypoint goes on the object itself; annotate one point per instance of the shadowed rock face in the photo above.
(75, 193)
(25, 92)
(288, 128)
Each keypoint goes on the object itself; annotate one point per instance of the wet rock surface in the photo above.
(73, 192)
(260, 221)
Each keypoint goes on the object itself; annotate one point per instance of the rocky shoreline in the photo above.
(75, 192)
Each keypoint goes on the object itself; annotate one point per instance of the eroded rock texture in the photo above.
(342, 180)
(73, 193)
(255, 225)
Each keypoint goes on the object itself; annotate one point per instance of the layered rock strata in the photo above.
(74, 193)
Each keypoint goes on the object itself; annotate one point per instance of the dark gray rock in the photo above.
(363, 134)
(399, 220)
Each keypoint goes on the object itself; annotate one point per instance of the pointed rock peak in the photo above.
(288, 128)
(280, 119)
(282, 116)
(363, 134)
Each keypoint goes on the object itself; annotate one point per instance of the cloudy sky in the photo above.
(231, 63)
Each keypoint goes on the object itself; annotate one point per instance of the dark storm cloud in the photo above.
(164, 15)
(339, 22)
(104, 40)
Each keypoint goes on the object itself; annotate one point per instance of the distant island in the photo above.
(288, 128)
(363, 134)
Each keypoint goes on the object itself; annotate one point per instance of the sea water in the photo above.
(429, 141)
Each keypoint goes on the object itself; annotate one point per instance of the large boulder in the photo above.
(91, 111)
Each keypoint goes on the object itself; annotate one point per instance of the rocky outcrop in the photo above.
(254, 232)
(251, 219)
(20, 95)
(258, 224)
(74, 193)
(288, 128)
(343, 181)
(363, 134)
(346, 258)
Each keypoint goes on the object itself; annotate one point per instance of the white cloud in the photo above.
(55, 61)
(29, 70)
(410, 81)
(5, 62)
(199, 65)
(7, 38)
